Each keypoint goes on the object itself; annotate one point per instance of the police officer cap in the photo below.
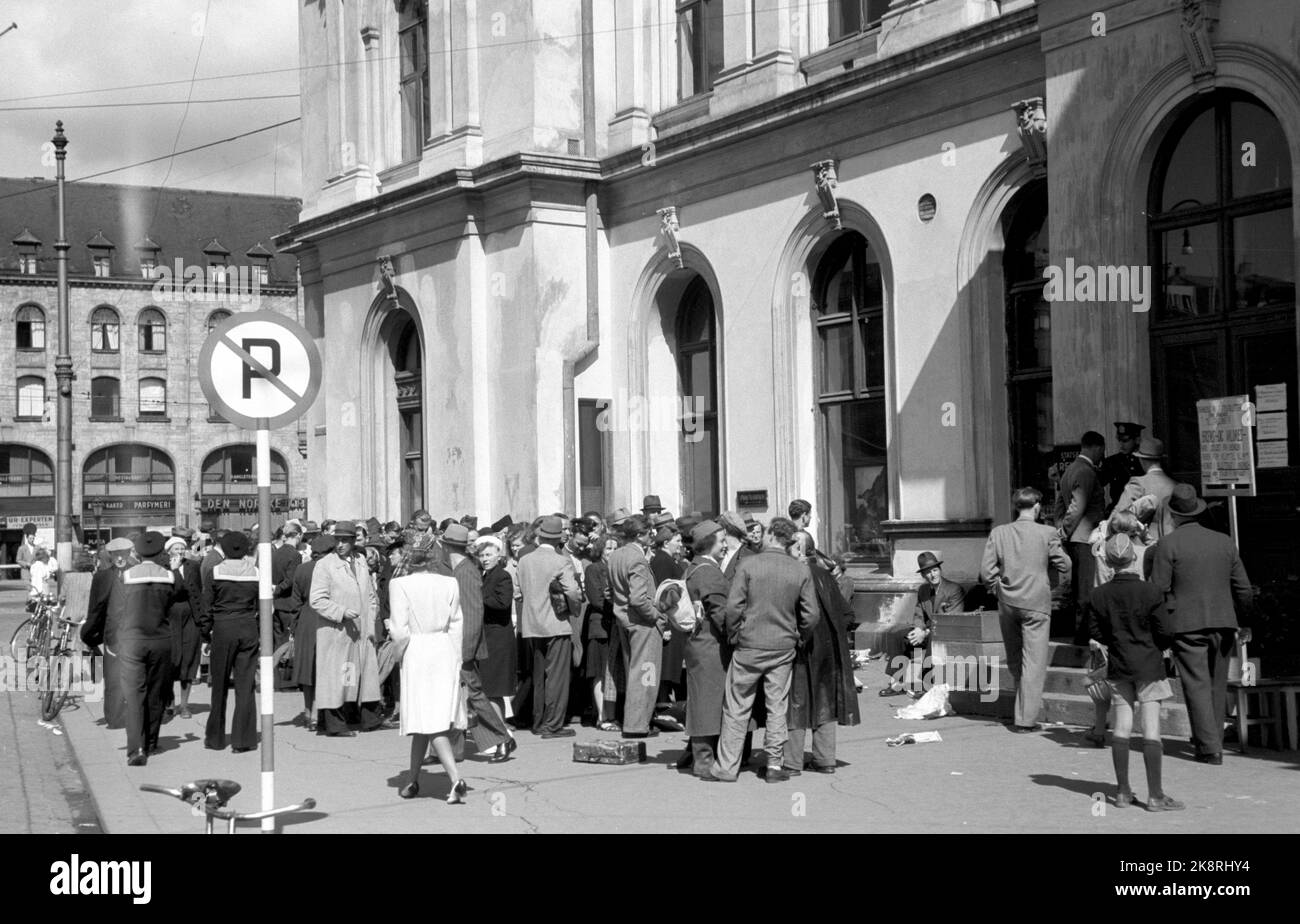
(234, 544)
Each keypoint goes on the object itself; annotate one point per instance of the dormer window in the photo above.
(101, 255)
(218, 257)
(29, 247)
(148, 252)
(259, 259)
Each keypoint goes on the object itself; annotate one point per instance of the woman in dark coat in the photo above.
(822, 693)
(499, 670)
(596, 631)
(304, 636)
(707, 651)
(665, 565)
(187, 641)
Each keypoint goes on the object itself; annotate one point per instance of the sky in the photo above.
(67, 54)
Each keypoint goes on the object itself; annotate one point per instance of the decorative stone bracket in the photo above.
(827, 183)
(1198, 21)
(386, 275)
(669, 227)
(1031, 123)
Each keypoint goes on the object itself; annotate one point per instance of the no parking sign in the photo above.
(260, 369)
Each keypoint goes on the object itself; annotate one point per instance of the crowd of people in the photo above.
(634, 622)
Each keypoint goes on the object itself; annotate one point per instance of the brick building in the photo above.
(150, 271)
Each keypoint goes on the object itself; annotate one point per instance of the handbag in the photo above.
(1097, 685)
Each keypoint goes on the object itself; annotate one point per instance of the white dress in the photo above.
(426, 617)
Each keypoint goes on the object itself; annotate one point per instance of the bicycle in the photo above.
(212, 795)
(57, 650)
(28, 638)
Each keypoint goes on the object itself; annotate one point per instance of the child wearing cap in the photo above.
(1125, 619)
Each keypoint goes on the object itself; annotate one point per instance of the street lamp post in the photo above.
(63, 376)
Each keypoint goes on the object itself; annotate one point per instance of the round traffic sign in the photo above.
(260, 369)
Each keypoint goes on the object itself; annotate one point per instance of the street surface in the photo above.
(979, 778)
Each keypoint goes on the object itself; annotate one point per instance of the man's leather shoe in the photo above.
(817, 768)
(1215, 760)
(652, 733)
(710, 778)
(350, 733)
(777, 775)
(137, 759)
(243, 750)
(1023, 729)
(565, 732)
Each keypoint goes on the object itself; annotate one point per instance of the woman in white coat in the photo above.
(425, 618)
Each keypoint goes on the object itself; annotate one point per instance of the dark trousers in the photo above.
(491, 728)
(1203, 669)
(704, 749)
(552, 666)
(146, 678)
(335, 721)
(114, 705)
(234, 654)
(1083, 574)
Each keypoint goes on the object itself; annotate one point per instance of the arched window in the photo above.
(233, 470)
(105, 398)
(104, 330)
(153, 331)
(849, 320)
(25, 472)
(1223, 320)
(697, 375)
(128, 468)
(31, 396)
(216, 318)
(30, 327)
(1029, 340)
(153, 398)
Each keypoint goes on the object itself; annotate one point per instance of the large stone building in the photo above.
(532, 233)
(150, 271)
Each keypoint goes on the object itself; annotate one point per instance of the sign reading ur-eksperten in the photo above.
(1227, 450)
(259, 369)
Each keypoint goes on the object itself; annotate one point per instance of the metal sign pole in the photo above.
(1232, 521)
(264, 612)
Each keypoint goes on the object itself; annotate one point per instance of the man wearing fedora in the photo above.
(551, 598)
(640, 624)
(650, 506)
(1118, 468)
(936, 596)
(1204, 583)
(1153, 482)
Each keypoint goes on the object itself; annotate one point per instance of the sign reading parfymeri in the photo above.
(1086, 283)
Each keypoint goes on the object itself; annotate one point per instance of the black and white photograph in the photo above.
(634, 417)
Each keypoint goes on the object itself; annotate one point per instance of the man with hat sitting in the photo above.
(229, 621)
(936, 596)
(144, 636)
(346, 602)
(1204, 583)
(551, 598)
(1153, 483)
(1118, 468)
(99, 630)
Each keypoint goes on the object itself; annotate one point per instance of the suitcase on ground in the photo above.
(609, 751)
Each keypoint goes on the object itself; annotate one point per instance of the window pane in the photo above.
(31, 328)
(1192, 371)
(1254, 125)
(856, 477)
(1265, 271)
(872, 330)
(1191, 263)
(153, 397)
(837, 357)
(1032, 438)
(688, 67)
(412, 106)
(845, 18)
(591, 462)
(713, 41)
(104, 397)
(216, 318)
(696, 325)
(699, 491)
(1189, 180)
(31, 397)
(1030, 330)
(698, 384)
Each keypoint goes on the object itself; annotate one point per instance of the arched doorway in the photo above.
(1220, 231)
(849, 386)
(697, 376)
(391, 415)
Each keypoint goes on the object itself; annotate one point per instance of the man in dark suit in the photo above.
(1153, 483)
(1117, 469)
(101, 624)
(1082, 507)
(936, 596)
(285, 559)
(1204, 583)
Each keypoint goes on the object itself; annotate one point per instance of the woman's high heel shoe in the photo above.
(409, 791)
(457, 794)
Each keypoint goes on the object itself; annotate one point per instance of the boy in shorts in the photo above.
(1126, 614)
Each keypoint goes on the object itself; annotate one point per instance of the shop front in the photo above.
(127, 488)
(26, 496)
(229, 495)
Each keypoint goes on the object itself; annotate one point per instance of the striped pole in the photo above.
(264, 611)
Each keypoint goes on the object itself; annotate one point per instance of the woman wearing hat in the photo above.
(426, 618)
(304, 639)
(499, 671)
(187, 641)
(936, 596)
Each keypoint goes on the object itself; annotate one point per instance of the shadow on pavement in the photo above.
(1070, 784)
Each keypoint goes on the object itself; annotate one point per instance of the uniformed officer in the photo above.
(229, 620)
(140, 604)
(1118, 468)
(99, 631)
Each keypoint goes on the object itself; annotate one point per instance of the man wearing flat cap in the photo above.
(142, 600)
(1205, 586)
(1118, 468)
(229, 620)
(347, 670)
(99, 630)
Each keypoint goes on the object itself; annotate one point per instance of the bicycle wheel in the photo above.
(48, 682)
(26, 640)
